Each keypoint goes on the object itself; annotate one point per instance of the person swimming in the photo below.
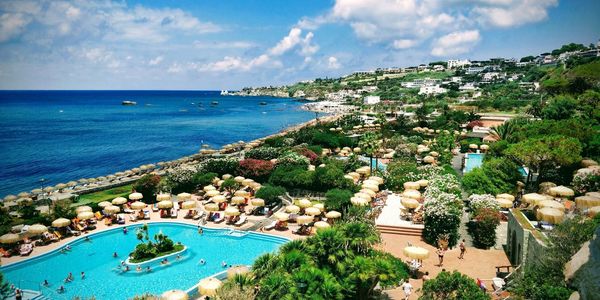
(224, 264)
(115, 254)
(82, 275)
(138, 268)
(125, 230)
(164, 261)
(148, 269)
(126, 269)
(178, 257)
(46, 283)
(87, 238)
(61, 289)
(69, 277)
(202, 261)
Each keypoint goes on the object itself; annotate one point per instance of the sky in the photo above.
(216, 44)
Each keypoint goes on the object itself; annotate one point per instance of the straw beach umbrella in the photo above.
(321, 225)
(416, 252)
(165, 204)
(71, 183)
(304, 219)
(587, 201)
(209, 286)
(409, 185)
(37, 191)
(504, 203)
(184, 196)
(211, 207)
(409, 202)
(550, 215)
(371, 187)
(85, 215)
(552, 204)
(190, 204)
(163, 197)
(9, 238)
(174, 295)
(304, 203)
(231, 211)
(237, 270)
(219, 199)
(241, 193)
(238, 200)
(363, 195)
(109, 210)
(281, 216)
(412, 194)
(320, 206)
(258, 202)
(212, 193)
(209, 188)
(104, 204)
(378, 179)
(23, 195)
(136, 196)
(37, 229)
(293, 209)
(119, 201)
(533, 198)
(61, 222)
(358, 201)
(561, 191)
(506, 196)
(333, 214)
(82, 208)
(10, 198)
(137, 205)
(312, 211)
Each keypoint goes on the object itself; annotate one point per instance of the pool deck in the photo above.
(253, 221)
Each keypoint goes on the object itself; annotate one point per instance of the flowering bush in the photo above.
(265, 153)
(256, 169)
(312, 157)
(425, 172)
(447, 183)
(587, 182)
(441, 216)
(293, 159)
(474, 123)
(483, 228)
(180, 179)
(485, 201)
(220, 166)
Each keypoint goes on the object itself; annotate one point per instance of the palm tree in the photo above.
(292, 245)
(360, 236)
(328, 246)
(369, 143)
(264, 265)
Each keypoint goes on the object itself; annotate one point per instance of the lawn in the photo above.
(105, 195)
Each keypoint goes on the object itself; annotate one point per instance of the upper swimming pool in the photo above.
(472, 161)
(104, 281)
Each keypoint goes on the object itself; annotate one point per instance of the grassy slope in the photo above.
(106, 195)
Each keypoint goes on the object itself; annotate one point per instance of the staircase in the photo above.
(400, 230)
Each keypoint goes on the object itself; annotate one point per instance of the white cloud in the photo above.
(113, 21)
(455, 43)
(230, 63)
(224, 45)
(12, 25)
(403, 24)
(293, 39)
(155, 61)
(509, 13)
(333, 63)
(404, 43)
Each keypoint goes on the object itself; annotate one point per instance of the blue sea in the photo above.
(67, 135)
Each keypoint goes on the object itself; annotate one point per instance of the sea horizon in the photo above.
(63, 135)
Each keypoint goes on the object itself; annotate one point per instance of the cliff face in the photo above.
(583, 270)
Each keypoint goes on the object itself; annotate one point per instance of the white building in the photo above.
(370, 100)
(457, 63)
(431, 90)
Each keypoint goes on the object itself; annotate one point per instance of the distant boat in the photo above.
(263, 103)
(214, 103)
(224, 92)
(127, 102)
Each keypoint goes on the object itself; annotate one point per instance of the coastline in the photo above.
(85, 189)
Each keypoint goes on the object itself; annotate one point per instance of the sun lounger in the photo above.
(241, 221)
(25, 249)
(155, 207)
(98, 215)
(146, 214)
(198, 215)
(5, 253)
(173, 213)
(107, 222)
(219, 218)
(73, 232)
(132, 218)
(57, 234)
(271, 226)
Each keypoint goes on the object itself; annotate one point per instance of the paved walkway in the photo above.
(390, 215)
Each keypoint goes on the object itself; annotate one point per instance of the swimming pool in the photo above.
(104, 281)
(472, 161)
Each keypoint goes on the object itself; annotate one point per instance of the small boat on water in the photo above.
(214, 103)
(127, 102)
(263, 103)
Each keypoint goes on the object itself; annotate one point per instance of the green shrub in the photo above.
(452, 286)
(264, 153)
(270, 193)
(331, 176)
(338, 199)
(292, 177)
(203, 179)
(398, 172)
(147, 186)
(483, 227)
(293, 159)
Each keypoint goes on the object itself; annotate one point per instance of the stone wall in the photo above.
(524, 243)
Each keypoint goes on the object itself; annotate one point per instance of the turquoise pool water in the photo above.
(473, 160)
(376, 164)
(103, 281)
